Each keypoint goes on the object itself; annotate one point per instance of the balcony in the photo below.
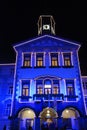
(25, 98)
(71, 97)
(48, 96)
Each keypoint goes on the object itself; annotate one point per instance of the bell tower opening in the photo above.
(46, 25)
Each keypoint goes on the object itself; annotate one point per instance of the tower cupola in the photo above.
(46, 25)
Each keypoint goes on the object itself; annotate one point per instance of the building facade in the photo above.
(84, 83)
(44, 84)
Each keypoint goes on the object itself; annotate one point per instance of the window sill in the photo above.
(26, 67)
(39, 67)
(71, 96)
(54, 66)
(48, 96)
(25, 97)
(68, 66)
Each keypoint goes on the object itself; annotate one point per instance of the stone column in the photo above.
(37, 123)
(60, 123)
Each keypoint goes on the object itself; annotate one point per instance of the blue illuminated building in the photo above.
(44, 84)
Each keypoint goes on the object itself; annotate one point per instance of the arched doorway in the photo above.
(48, 115)
(26, 117)
(70, 117)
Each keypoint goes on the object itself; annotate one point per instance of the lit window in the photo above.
(10, 91)
(67, 59)
(56, 89)
(39, 59)
(27, 60)
(54, 59)
(70, 88)
(25, 88)
(39, 87)
(47, 87)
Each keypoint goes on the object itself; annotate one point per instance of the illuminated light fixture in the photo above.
(46, 27)
(67, 111)
(48, 115)
(29, 112)
(48, 111)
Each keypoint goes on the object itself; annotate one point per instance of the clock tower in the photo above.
(46, 25)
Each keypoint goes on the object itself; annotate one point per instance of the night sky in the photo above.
(18, 22)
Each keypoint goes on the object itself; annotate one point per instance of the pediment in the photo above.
(47, 41)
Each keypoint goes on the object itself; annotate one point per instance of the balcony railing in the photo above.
(48, 96)
(25, 98)
(71, 97)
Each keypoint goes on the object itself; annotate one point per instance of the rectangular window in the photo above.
(47, 89)
(39, 60)
(27, 60)
(25, 88)
(85, 88)
(67, 59)
(55, 88)
(86, 85)
(7, 109)
(54, 59)
(70, 88)
(39, 87)
(10, 91)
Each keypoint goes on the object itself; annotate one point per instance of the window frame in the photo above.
(67, 62)
(10, 90)
(40, 63)
(85, 87)
(72, 83)
(55, 61)
(7, 109)
(24, 90)
(53, 82)
(28, 62)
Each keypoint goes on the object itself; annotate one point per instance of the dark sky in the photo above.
(18, 22)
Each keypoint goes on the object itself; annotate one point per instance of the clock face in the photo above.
(46, 27)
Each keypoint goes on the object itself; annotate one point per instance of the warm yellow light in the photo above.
(47, 86)
(48, 111)
(67, 111)
(29, 112)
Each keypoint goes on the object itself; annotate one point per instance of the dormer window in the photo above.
(27, 60)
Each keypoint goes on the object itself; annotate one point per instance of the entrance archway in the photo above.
(70, 113)
(70, 117)
(48, 115)
(26, 117)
